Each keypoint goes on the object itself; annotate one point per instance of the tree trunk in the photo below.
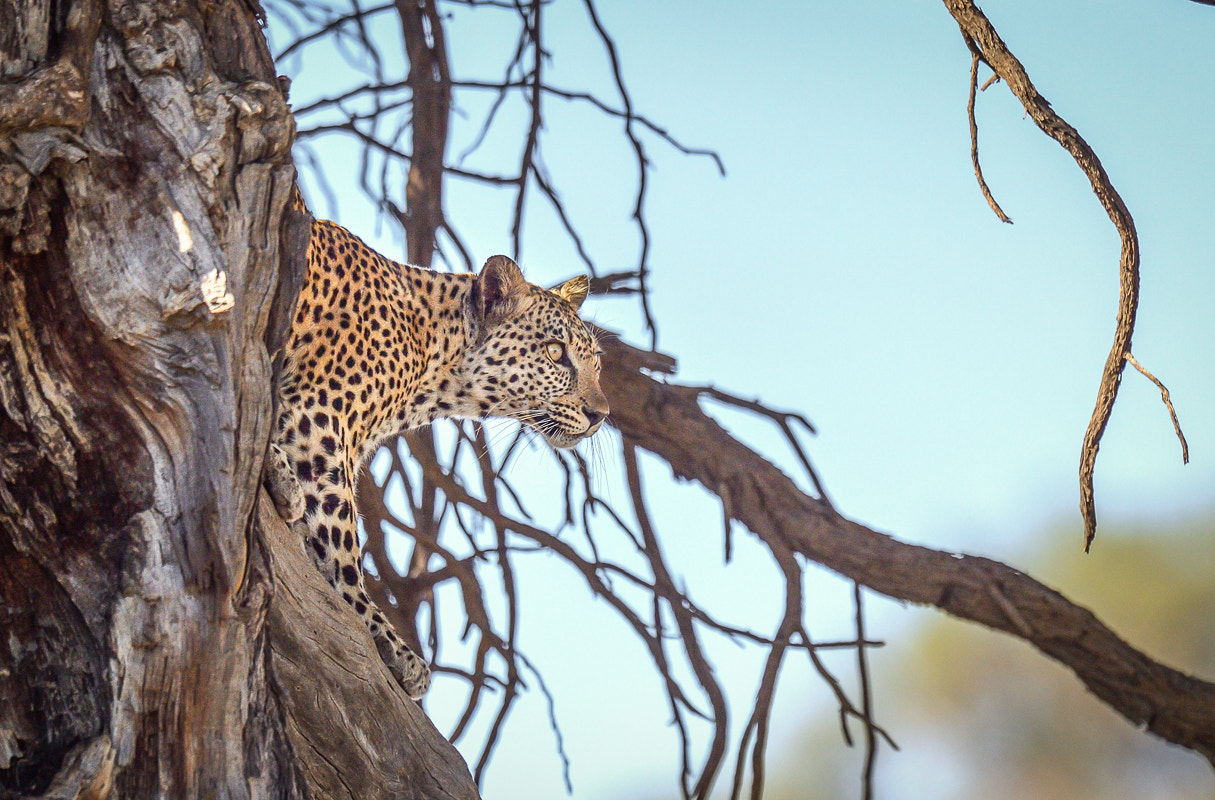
(164, 634)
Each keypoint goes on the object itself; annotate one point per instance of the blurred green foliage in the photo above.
(983, 715)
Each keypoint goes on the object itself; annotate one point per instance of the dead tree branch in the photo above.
(983, 40)
(399, 753)
(667, 420)
(430, 82)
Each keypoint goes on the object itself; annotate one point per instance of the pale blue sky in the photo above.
(849, 268)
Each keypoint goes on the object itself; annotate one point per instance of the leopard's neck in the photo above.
(438, 315)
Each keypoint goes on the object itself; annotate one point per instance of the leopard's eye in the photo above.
(555, 351)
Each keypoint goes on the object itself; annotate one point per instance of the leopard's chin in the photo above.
(562, 441)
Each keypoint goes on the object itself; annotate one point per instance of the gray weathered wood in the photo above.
(145, 154)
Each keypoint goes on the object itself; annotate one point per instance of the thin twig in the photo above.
(862, 668)
(762, 709)
(782, 420)
(611, 111)
(1164, 395)
(643, 266)
(489, 486)
(974, 133)
(552, 721)
(337, 22)
(687, 631)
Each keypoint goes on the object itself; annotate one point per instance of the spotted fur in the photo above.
(378, 347)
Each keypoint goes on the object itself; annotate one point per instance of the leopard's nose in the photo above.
(594, 408)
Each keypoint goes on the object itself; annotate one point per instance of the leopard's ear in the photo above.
(573, 291)
(496, 294)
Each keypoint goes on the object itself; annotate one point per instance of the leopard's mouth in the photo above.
(552, 431)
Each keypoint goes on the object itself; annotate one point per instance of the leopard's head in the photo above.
(531, 357)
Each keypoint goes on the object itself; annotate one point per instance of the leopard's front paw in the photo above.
(284, 486)
(409, 669)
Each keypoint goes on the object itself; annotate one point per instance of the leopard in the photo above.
(377, 348)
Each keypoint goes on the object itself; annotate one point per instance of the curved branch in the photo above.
(979, 33)
(611, 111)
(359, 16)
(664, 583)
(976, 57)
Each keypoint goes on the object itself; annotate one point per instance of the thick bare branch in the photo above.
(430, 80)
(667, 420)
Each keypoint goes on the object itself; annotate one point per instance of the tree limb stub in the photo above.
(667, 420)
(56, 93)
(983, 40)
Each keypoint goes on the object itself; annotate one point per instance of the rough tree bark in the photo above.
(163, 633)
